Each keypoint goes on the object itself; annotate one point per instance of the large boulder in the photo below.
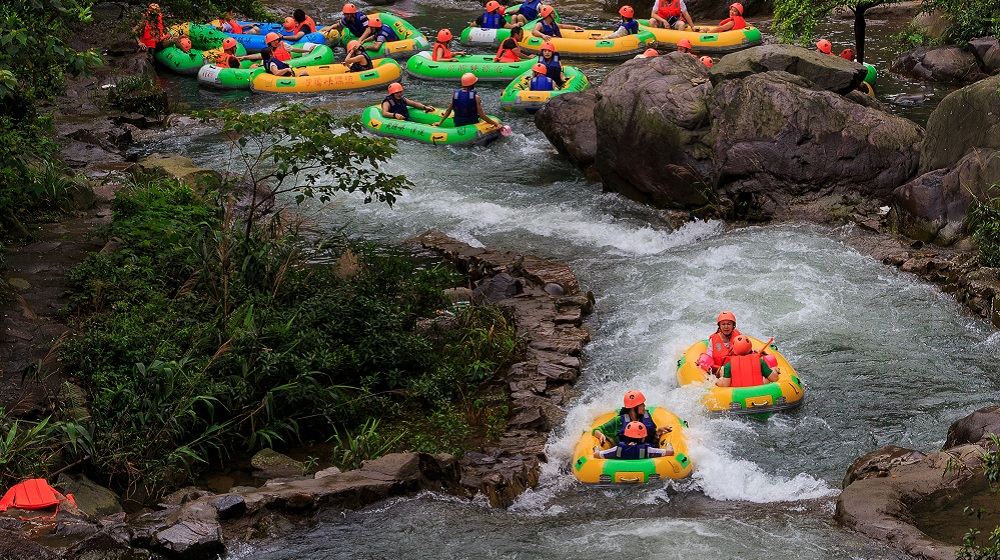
(974, 428)
(934, 24)
(943, 64)
(987, 51)
(650, 117)
(182, 169)
(777, 138)
(831, 73)
(568, 122)
(965, 119)
(92, 498)
(270, 464)
(933, 206)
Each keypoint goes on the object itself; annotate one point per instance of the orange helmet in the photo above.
(824, 46)
(271, 37)
(548, 46)
(374, 21)
(635, 430)
(684, 44)
(626, 12)
(444, 35)
(540, 68)
(289, 24)
(469, 79)
(738, 7)
(229, 43)
(395, 87)
(742, 346)
(350, 9)
(633, 399)
(847, 54)
(725, 316)
(651, 53)
(492, 6)
(707, 61)
(545, 11)
(184, 44)
(353, 44)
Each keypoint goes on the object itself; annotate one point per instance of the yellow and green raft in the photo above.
(329, 77)
(214, 76)
(206, 42)
(517, 95)
(420, 127)
(784, 394)
(590, 470)
(590, 43)
(410, 40)
(705, 43)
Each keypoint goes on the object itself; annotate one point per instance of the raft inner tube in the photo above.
(708, 43)
(214, 76)
(419, 127)
(422, 66)
(517, 94)
(410, 38)
(589, 43)
(329, 77)
(483, 36)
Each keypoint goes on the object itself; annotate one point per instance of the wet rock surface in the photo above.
(950, 64)
(831, 73)
(568, 122)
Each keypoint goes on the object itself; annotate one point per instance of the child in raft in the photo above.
(733, 22)
(633, 445)
(378, 33)
(228, 24)
(492, 18)
(628, 24)
(395, 106)
(442, 48)
(547, 28)
(357, 60)
(275, 57)
(550, 58)
(539, 81)
(227, 58)
(510, 50)
(466, 105)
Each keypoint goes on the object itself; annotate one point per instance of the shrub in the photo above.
(983, 221)
(138, 94)
(969, 18)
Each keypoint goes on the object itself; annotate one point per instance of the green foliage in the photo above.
(913, 37)
(28, 448)
(969, 18)
(983, 221)
(201, 10)
(138, 94)
(971, 548)
(366, 442)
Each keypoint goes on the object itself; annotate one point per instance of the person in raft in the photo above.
(509, 50)
(720, 343)
(733, 22)
(539, 81)
(357, 60)
(395, 106)
(824, 47)
(352, 20)
(684, 46)
(628, 24)
(525, 12)
(634, 410)
(228, 24)
(441, 52)
(707, 61)
(377, 33)
(650, 53)
(492, 17)
(466, 104)
(670, 14)
(633, 445)
(550, 58)
(153, 34)
(747, 368)
(274, 57)
(227, 58)
(547, 28)
(297, 26)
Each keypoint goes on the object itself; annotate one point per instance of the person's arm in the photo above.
(610, 427)
(365, 35)
(568, 26)
(620, 32)
(386, 112)
(536, 31)
(725, 27)
(771, 374)
(607, 453)
(686, 16)
(660, 451)
(255, 56)
(447, 113)
(418, 105)
(726, 379)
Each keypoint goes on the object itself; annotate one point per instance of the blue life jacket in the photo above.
(358, 26)
(637, 451)
(551, 30)
(541, 83)
(266, 54)
(359, 67)
(529, 9)
(385, 34)
(493, 20)
(398, 106)
(553, 68)
(464, 106)
(646, 419)
(632, 26)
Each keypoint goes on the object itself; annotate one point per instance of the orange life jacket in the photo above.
(32, 494)
(150, 36)
(746, 371)
(445, 52)
(506, 55)
(309, 23)
(281, 53)
(738, 22)
(669, 9)
(227, 60)
(721, 352)
(237, 28)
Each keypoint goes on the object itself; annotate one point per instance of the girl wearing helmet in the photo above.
(720, 343)
(628, 24)
(466, 104)
(746, 368)
(442, 50)
(357, 60)
(547, 28)
(352, 20)
(509, 50)
(733, 22)
(395, 106)
(634, 444)
(492, 17)
(633, 410)
(670, 14)
(550, 59)
(539, 81)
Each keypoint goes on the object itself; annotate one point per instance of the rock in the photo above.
(92, 499)
(347, 266)
(272, 464)
(831, 73)
(192, 538)
(14, 546)
(568, 122)
(497, 288)
(934, 24)
(933, 206)
(987, 51)
(326, 472)
(974, 428)
(183, 496)
(545, 272)
(879, 462)
(456, 295)
(19, 284)
(776, 139)
(230, 506)
(554, 289)
(650, 117)
(965, 119)
(182, 169)
(942, 64)
(106, 545)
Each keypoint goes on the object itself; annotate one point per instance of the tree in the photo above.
(305, 152)
(795, 20)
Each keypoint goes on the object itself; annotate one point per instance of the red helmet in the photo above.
(374, 21)
(847, 54)
(271, 37)
(651, 53)
(548, 46)
(742, 345)
(634, 398)
(469, 79)
(546, 10)
(725, 316)
(289, 24)
(540, 68)
(492, 6)
(626, 12)
(707, 61)
(229, 43)
(350, 9)
(635, 430)
(184, 44)
(444, 35)
(395, 87)
(824, 46)
(684, 44)
(737, 6)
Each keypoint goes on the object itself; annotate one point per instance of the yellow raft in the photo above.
(589, 43)
(330, 77)
(705, 43)
(785, 393)
(633, 471)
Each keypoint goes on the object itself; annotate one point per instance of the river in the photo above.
(885, 358)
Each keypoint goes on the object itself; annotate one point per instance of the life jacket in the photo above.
(492, 20)
(632, 26)
(308, 24)
(358, 66)
(281, 53)
(505, 54)
(529, 9)
(33, 494)
(385, 34)
(646, 419)
(445, 52)
(541, 83)
(463, 104)
(358, 25)
(227, 60)
(553, 67)
(237, 28)
(632, 451)
(550, 30)
(721, 350)
(746, 371)
(150, 36)
(277, 62)
(738, 22)
(398, 106)
(669, 9)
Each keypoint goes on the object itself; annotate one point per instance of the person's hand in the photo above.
(429, 108)
(577, 28)
(398, 117)
(669, 449)
(254, 65)
(663, 430)
(602, 438)
(436, 124)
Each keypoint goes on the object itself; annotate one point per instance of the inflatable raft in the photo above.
(633, 471)
(206, 42)
(211, 75)
(421, 65)
(517, 95)
(705, 43)
(483, 36)
(330, 77)
(255, 43)
(872, 74)
(589, 44)
(784, 394)
(420, 128)
(410, 39)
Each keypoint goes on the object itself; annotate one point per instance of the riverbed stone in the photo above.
(106, 545)
(92, 498)
(965, 119)
(230, 506)
(987, 52)
(949, 64)
(181, 168)
(15, 546)
(329, 471)
(568, 122)
(272, 464)
(831, 73)
(497, 288)
(974, 428)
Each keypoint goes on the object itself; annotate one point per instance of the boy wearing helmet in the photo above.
(492, 17)
(441, 52)
(466, 104)
(378, 33)
(509, 50)
(395, 106)
(633, 445)
(628, 24)
(227, 58)
(352, 20)
(746, 368)
(733, 22)
(634, 410)
(670, 14)
(539, 81)
(550, 59)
